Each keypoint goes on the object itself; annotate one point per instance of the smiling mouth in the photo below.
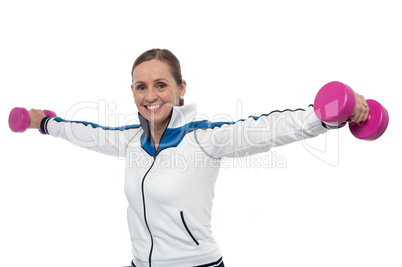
(154, 107)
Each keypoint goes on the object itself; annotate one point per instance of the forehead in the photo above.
(152, 70)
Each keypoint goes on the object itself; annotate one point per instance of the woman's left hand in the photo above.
(361, 110)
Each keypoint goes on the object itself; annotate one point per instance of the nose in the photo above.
(151, 95)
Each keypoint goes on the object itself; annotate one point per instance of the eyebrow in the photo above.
(156, 80)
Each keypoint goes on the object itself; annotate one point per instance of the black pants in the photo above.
(212, 264)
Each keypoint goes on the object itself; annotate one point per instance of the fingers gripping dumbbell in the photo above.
(18, 120)
(334, 104)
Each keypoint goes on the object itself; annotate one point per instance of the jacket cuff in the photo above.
(330, 127)
(43, 124)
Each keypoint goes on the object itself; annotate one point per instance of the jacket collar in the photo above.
(179, 116)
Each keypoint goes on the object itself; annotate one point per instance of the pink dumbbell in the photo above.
(334, 104)
(18, 120)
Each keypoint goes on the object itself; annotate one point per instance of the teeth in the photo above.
(153, 107)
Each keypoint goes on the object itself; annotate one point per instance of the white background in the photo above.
(338, 200)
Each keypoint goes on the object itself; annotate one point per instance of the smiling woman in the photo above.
(170, 207)
(157, 87)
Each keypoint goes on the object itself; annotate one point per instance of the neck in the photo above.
(157, 132)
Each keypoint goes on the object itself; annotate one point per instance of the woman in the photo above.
(169, 211)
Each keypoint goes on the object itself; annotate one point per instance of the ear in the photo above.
(132, 88)
(182, 89)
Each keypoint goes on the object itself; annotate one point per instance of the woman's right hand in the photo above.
(35, 117)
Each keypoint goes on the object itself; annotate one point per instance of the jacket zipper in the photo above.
(142, 188)
(145, 213)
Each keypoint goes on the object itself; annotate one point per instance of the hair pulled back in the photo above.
(165, 56)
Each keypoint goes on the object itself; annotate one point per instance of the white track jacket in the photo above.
(169, 210)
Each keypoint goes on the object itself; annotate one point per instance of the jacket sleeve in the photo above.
(107, 140)
(258, 133)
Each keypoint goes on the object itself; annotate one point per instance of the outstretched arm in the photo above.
(107, 140)
(260, 133)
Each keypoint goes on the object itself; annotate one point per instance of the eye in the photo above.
(161, 85)
(141, 87)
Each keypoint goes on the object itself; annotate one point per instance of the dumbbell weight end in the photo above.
(334, 103)
(375, 125)
(18, 120)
